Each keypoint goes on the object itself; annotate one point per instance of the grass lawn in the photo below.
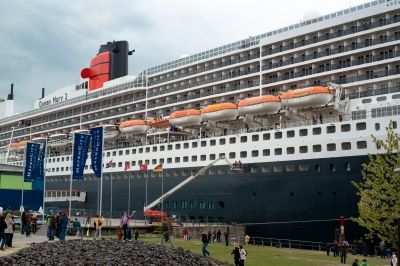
(260, 256)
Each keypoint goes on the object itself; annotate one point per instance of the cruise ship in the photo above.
(271, 129)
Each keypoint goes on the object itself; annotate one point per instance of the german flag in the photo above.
(158, 168)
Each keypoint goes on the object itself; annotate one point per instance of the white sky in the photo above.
(45, 43)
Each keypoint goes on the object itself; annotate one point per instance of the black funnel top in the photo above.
(11, 95)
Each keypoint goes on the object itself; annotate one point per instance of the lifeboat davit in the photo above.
(160, 123)
(110, 132)
(58, 140)
(185, 117)
(220, 112)
(40, 140)
(133, 127)
(266, 104)
(307, 97)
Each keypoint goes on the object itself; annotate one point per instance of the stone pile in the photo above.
(105, 252)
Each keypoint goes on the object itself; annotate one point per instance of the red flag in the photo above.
(127, 166)
(158, 168)
(143, 167)
(109, 164)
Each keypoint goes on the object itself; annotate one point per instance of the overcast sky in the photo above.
(45, 43)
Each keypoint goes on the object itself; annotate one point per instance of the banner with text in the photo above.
(42, 157)
(81, 148)
(97, 150)
(31, 161)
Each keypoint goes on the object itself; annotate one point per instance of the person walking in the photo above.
(344, 245)
(52, 223)
(34, 223)
(98, 224)
(185, 234)
(78, 228)
(394, 260)
(243, 255)
(64, 226)
(28, 228)
(246, 239)
(204, 240)
(3, 227)
(124, 223)
(226, 237)
(23, 222)
(236, 254)
(9, 231)
(382, 249)
(219, 236)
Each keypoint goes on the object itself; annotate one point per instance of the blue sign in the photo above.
(97, 150)
(81, 147)
(42, 156)
(31, 161)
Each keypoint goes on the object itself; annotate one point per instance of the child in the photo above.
(120, 234)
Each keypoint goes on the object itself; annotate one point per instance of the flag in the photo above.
(79, 156)
(97, 150)
(143, 167)
(127, 166)
(158, 168)
(109, 164)
(42, 155)
(31, 161)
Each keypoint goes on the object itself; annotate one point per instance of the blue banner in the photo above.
(31, 161)
(81, 148)
(97, 150)
(42, 156)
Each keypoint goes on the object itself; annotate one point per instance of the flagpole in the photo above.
(147, 177)
(101, 177)
(129, 191)
(44, 178)
(23, 182)
(162, 190)
(72, 173)
(111, 200)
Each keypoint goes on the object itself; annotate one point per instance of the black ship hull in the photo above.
(275, 200)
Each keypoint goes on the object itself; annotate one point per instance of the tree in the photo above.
(379, 205)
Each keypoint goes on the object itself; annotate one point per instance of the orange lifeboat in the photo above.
(159, 123)
(185, 117)
(220, 112)
(133, 126)
(17, 146)
(266, 104)
(308, 97)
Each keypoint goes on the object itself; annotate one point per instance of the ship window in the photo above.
(177, 146)
(222, 154)
(177, 159)
(203, 157)
(290, 150)
(303, 167)
(232, 140)
(330, 129)
(266, 136)
(203, 143)
(154, 161)
(169, 160)
(194, 158)
(140, 151)
(316, 131)
(243, 139)
(266, 168)
(161, 161)
(346, 146)
(146, 162)
(58, 159)
(367, 100)
(266, 152)
(108, 153)
(278, 135)
(186, 145)
(317, 168)
(347, 166)
(254, 153)
(133, 163)
(154, 148)
(162, 148)
(332, 167)
(278, 151)
(120, 153)
(243, 154)
(194, 144)
(396, 96)
(232, 155)
(113, 165)
(212, 157)
(126, 152)
(381, 98)
(361, 144)
(290, 168)
(147, 149)
(394, 124)
(185, 159)
(345, 128)
(303, 132)
(303, 149)
(212, 142)
(120, 164)
(290, 134)
(317, 148)
(278, 168)
(115, 153)
(221, 141)
(169, 147)
(361, 126)
(331, 147)
(140, 162)
(255, 137)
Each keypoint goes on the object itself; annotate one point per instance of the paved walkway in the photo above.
(22, 241)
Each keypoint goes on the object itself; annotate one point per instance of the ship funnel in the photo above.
(11, 95)
(42, 93)
(9, 104)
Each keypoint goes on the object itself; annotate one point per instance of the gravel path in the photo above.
(105, 252)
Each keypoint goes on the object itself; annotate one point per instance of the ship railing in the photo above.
(64, 195)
